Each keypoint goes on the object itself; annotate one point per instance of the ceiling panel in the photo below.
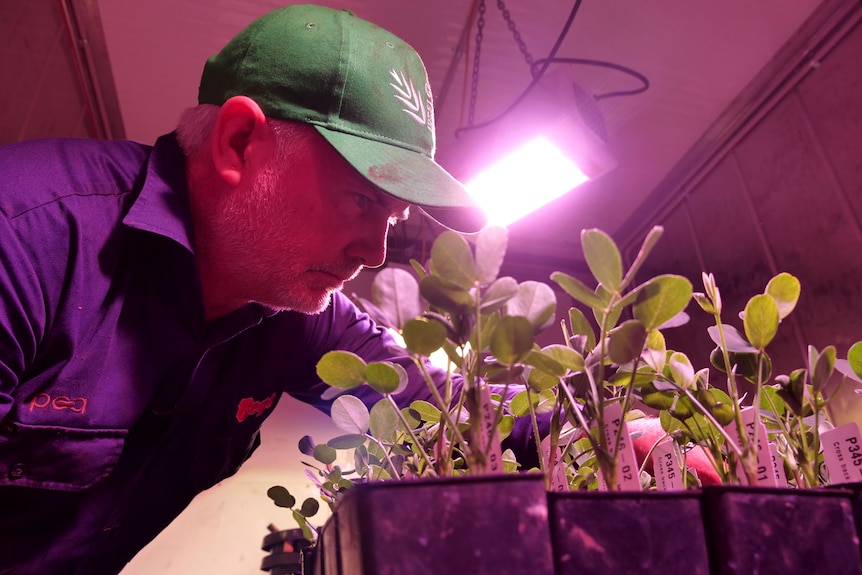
(698, 57)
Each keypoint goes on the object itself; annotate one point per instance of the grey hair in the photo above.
(196, 124)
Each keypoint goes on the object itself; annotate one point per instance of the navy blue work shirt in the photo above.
(118, 404)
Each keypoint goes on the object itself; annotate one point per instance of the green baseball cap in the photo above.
(365, 90)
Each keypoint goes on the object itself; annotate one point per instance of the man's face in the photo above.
(308, 223)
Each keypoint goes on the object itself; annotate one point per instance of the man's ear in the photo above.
(241, 140)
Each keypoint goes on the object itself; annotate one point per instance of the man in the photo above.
(157, 301)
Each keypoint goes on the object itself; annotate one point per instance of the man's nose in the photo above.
(370, 245)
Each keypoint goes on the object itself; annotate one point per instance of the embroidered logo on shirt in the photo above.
(249, 406)
(410, 97)
(59, 403)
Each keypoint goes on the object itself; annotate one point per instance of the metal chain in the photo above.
(517, 35)
(474, 87)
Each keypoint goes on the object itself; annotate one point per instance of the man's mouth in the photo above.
(337, 276)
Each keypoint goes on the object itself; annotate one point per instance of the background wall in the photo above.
(785, 198)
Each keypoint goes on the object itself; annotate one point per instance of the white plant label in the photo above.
(765, 469)
(778, 466)
(489, 442)
(628, 474)
(668, 476)
(558, 481)
(842, 451)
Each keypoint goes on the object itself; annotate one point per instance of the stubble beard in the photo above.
(293, 289)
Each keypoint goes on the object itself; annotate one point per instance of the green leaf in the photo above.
(511, 339)
(309, 507)
(505, 427)
(411, 417)
(854, 358)
(385, 377)
(579, 325)
(747, 364)
(771, 401)
(281, 496)
(648, 244)
(520, 404)
(578, 290)
(609, 319)
(603, 258)
(378, 473)
(445, 295)
(651, 397)
(349, 414)
(325, 454)
(383, 421)
(536, 302)
(821, 366)
(498, 293)
(306, 445)
(423, 337)
(660, 299)
(785, 289)
(704, 302)
(417, 267)
(396, 292)
(341, 369)
(655, 352)
(452, 260)
(540, 380)
(681, 370)
(732, 339)
(350, 441)
(545, 363)
(568, 357)
(490, 249)
(426, 411)
(626, 342)
(542, 402)
(761, 320)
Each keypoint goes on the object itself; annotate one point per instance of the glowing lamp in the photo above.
(525, 180)
(539, 151)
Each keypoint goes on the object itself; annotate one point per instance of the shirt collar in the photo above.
(163, 204)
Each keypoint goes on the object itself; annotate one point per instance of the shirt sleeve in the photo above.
(344, 327)
(22, 313)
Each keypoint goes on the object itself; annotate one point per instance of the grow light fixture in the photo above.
(525, 180)
(540, 151)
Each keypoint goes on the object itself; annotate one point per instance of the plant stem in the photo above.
(536, 434)
(409, 431)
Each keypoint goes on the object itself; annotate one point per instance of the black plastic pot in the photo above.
(465, 526)
(628, 532)
(781, 531)
(288, 551)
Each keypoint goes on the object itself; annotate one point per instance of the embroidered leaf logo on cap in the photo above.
(407, 94)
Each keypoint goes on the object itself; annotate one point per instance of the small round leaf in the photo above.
(660, 299)
(424, 337)
(341, 369)
(511, 339)
(324, 454)
(785, 289)
(281, 496)
(385, 377)
(309, 507)
(350, 414)
(603, 258)
(350, 441)
(761, 320)
(452, 260)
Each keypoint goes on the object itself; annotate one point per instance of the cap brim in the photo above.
(411, 177)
